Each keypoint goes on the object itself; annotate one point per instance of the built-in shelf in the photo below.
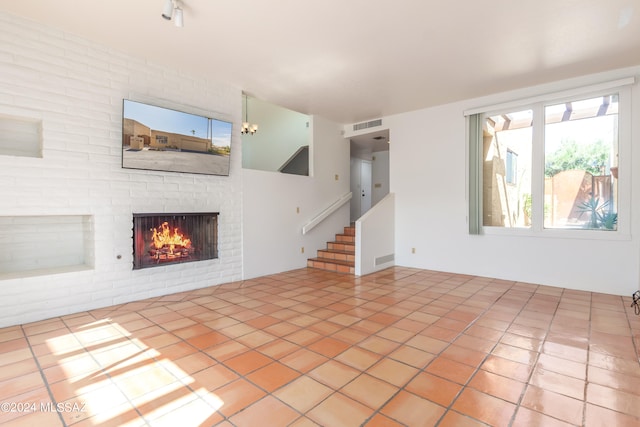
(46, 244)
(20, 137)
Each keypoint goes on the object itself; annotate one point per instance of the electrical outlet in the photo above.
(298, 209)
(413, 250)
(302, 250)
(337, 177)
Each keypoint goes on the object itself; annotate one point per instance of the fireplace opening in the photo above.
(161, 239)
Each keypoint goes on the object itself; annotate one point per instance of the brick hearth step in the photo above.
(339, 255)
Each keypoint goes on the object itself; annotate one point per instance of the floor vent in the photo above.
(367, 125)
(384, 259)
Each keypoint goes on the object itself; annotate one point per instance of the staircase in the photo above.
(339, 255)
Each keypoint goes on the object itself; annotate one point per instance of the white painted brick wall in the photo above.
(76, 88)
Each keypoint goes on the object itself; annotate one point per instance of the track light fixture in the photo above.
(172, 9)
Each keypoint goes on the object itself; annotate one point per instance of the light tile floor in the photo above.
(402, 347)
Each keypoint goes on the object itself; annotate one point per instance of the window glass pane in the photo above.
(506, 185)
(581, 158)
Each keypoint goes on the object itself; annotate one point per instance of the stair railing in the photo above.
(326, 212)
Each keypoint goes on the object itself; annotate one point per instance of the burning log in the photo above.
(167, 245)
(169, 253)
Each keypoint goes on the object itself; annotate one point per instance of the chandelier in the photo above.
(246, 126)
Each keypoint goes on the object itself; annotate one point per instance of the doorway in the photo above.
(361, 187)
(369, 171)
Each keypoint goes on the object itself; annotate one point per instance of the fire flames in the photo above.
(169, 240)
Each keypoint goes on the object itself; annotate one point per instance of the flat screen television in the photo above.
(162, 139)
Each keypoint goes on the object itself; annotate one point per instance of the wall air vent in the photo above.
(367, 125)
(384, 259)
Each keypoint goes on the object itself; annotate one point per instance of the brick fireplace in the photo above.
(161, 239)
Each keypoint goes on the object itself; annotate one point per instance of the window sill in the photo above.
(605, 235)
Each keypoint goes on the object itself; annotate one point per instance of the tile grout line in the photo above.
(535, 363)
(492, 292)
(42, 375)
(423, 369)
(586, 374)
(354, 345)
(478, 367)
(107, 374)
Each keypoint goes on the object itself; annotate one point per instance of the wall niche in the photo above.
(46, 244)
(20, 137)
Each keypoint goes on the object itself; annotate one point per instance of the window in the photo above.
(506, 179)
(580, 148)
(550, 165)
(162, 139)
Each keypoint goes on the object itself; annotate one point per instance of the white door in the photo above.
(365, 186)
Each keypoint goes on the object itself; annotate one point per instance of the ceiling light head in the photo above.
(248, 128)
(167, 10)
(179, 19)
(172, 10)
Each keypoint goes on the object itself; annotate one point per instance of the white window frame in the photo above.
(511, 169)
(623, 88)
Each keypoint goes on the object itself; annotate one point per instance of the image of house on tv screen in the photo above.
(156, 138)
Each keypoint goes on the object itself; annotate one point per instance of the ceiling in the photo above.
(364, 145)
(351, 61)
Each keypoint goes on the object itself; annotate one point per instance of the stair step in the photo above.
(332, 265)
(337, 255)
(342, 246)
(346, 238)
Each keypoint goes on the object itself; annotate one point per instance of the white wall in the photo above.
(379, 176)
(272, 228)
(75, 88)
(428, 176)
(280, 133)
(375, 237)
